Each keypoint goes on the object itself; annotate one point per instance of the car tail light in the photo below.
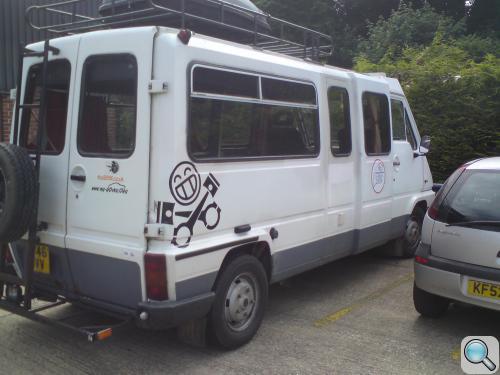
(156, 276)
(7, 255)
(421, 260)
(434, 209)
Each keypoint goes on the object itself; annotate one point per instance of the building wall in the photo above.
(15, 31)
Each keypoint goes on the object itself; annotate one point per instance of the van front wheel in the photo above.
(407, 245)
(241, 295)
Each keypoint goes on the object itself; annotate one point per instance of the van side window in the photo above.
(285, 91)
(410, 135)
(398, 120)
(227, 126)
(340, 121)
(58, 77)
(376, 124)
(220, 82)
(108, 106)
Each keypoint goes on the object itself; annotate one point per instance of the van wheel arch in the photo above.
(400, 246)
(422, 205)
(259, 250)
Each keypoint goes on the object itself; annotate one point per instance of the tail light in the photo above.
(421, 260)
(156, 276)
(7, 255)
(434, 209)
(185, 36)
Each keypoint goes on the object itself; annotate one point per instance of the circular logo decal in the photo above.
(185, 183)
(378, 176)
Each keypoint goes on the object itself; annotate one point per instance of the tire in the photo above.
(17, 192)
(241, 295)
(407, 245)
(429, 305)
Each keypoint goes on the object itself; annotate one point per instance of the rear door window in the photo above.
(58, 79)
(107, 121)
(474, 197)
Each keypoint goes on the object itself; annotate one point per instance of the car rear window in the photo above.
(475, 197)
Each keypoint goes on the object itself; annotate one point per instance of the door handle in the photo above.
(243, 229)
(396, 162)
(75, 177)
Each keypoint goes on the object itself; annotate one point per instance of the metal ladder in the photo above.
(27, 279)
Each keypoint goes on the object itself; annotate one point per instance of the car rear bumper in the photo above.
(449, 279)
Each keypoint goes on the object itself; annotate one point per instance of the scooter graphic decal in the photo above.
(185, 187)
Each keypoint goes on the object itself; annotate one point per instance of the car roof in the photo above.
(488, 163)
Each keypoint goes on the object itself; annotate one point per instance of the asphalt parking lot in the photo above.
(354, 316)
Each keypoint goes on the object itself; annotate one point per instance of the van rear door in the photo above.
(109, 165)
(55, 152)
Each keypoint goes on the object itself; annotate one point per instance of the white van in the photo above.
(181, 174)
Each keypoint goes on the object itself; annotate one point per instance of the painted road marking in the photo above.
(339, 314)
(456, 354)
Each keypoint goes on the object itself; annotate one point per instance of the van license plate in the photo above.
(42, 259)
(482, 289)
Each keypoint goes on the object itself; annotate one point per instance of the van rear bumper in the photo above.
(167, 314)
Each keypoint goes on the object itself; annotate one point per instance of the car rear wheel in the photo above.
(428, 304)
(240, 302)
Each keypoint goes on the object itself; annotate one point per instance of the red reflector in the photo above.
(8, 256)
(184, 36)
(421, 260)
(156, 276)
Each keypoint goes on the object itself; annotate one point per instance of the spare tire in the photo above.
(17, 192)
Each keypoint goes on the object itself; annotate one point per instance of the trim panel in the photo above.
(216, 248)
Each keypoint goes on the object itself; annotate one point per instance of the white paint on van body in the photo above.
(305, 199)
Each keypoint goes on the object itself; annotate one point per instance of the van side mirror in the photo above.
(425, 146)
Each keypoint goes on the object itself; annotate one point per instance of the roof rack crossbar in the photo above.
(313, 45)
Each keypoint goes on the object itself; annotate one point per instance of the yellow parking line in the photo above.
(339, 314)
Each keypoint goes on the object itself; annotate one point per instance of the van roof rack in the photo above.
(231, 22)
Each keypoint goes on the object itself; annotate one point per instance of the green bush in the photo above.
(455, 100)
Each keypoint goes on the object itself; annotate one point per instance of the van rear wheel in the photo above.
(241, 295)
(17, 192)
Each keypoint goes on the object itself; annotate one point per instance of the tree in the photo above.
(454, 99)
(407, 27)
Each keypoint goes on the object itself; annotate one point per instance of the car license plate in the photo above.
(483, 289)
(42, 259)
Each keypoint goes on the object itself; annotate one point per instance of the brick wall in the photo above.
(6, 107)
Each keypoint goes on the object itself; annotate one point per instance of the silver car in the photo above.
(459, 255)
